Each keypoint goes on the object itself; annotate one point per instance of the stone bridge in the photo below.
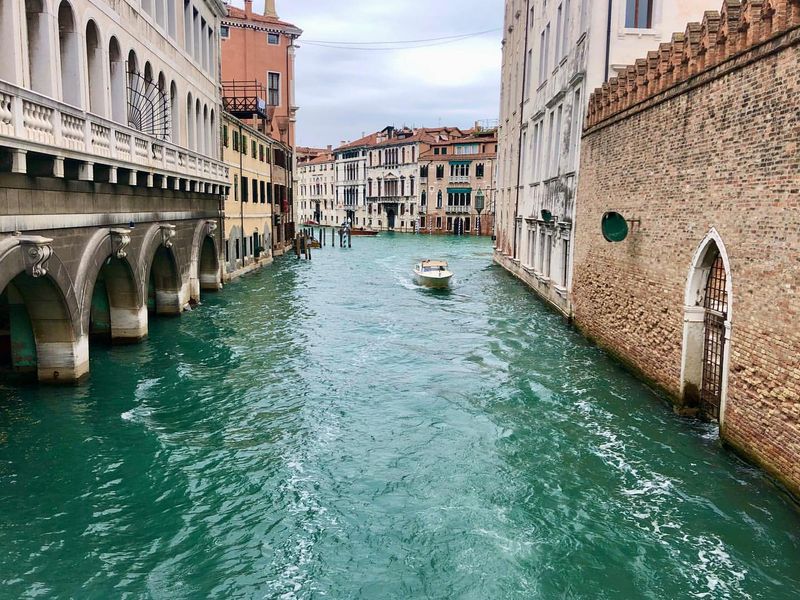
(98, 270)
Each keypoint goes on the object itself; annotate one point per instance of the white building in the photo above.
(556, 52)
(393, 173)
(316, 191)
(351, 179)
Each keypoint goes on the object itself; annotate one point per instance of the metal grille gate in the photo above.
(715, 303)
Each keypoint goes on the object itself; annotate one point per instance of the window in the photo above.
(439, 171)
(253, 147)
(274, 92)
(235, 188)
(479, 170)
(225, 135)
(423, 171)
(273, 38)
(245, 189)
(224, 31)
(639, 14)
(439, 199)
(438, 222)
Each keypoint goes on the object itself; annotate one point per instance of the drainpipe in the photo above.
(521, 118)
(608, 38)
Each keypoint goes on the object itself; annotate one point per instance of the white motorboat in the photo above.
(433, 273)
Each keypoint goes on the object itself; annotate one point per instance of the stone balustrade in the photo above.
(30, 122)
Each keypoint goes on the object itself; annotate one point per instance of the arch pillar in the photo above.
(46, 295)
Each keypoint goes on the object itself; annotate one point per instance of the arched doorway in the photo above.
(707, 328)
(163, 284)
(390, 217)
(36, 330)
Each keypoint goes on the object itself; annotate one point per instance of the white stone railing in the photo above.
(30, 121)
(459, 178)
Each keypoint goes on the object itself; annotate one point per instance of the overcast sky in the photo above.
(342, 93)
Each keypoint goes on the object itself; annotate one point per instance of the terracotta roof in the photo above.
(322, 159)
(368, 140)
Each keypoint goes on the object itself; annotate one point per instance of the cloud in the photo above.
(342, 93)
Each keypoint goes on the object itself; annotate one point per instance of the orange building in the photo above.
(258, 51)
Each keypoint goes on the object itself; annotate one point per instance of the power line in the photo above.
(436, 39)
(392, 49)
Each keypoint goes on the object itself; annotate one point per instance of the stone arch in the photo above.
(707, 326)
(116, 68)
(95, 69)
(109, 284)
(69, 54)
(160, 272)
(206, 131)
(205, 272)
(39, 323)
(198, 127)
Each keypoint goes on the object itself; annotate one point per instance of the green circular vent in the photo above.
(614, 226)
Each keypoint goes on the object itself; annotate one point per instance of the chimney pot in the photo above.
(248, 7)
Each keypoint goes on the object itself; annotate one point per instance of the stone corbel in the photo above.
(120, 238)
(167, 233)
(211, 227)
(36, 251)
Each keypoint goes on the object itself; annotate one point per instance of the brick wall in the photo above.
(714, 145)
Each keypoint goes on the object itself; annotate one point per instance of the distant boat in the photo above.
(310, 222)
(361, 231)
(433, 273)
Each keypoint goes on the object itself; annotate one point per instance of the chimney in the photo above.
(248, 7)
(269, 9)
(330, 147)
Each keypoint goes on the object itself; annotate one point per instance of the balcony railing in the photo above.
(389, 199)
(30, 121)
(459, 178)
(459, 209)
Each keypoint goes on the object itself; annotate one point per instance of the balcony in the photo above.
(30, 122)
(245, 99)
(389, 199)
(459, 209)
(459, 178)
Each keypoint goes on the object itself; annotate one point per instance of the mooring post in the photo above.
(349, 239)
(341, 238)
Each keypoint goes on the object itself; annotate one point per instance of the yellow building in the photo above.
(256, 209)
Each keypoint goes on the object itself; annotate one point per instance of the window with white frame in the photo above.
(274, 89)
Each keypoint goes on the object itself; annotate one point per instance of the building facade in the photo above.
(259, 50)
(260, 178)
(351, 179)
(552, 53)
(692, 151)
(393, 179)
(110, 178)
(316, 191)
(457, 177)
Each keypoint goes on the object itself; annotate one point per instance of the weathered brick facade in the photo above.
(700, 142)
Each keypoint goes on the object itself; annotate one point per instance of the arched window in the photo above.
(424, 198)
(174, 114)
(117, 76)
(214, 146)
(439, 199)
(190, 123)
(198, 128)
(133, 68)
(70, 59)
(94, 65)
(206, 132)
(40, 70)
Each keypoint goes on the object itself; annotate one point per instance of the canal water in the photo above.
(328, 429)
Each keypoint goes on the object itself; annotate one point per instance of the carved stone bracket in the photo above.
(211, 227)
(167, 233)
(36, 251)
(120, 238)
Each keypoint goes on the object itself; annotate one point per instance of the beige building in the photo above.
(456, 176)
(554, 53)
(259, 180)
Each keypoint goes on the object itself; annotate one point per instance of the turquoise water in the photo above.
(327, 429)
